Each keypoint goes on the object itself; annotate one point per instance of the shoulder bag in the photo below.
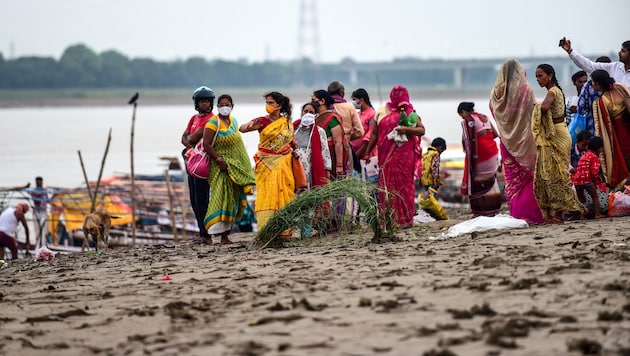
(198, 164)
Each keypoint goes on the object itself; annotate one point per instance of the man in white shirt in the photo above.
(9, 220)
(620, 71)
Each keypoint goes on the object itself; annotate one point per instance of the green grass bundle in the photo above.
(302, 209)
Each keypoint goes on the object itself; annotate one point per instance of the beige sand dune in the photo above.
(543, 290)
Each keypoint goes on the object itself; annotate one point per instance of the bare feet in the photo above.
(600, 216)
(202, 241)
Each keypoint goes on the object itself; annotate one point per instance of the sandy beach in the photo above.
(543, 290)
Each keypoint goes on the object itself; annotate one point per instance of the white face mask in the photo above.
(307, 120)
(225, 110)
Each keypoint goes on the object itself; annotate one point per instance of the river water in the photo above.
(44, 141)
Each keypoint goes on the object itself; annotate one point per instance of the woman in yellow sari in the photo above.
(612, 124)
(275, 185)
(552, 184)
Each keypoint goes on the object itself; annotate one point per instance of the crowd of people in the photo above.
(551, 175)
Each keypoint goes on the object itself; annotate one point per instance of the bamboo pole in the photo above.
(133, 101)
(183, 207)
(100, 173)
(167, 177)
(87, 183)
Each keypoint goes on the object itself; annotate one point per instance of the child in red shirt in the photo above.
(588, 174)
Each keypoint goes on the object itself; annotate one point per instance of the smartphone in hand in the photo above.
(563, 41)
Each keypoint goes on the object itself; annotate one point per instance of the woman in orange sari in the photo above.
(275, 185)
(612, 124)
(482, 161)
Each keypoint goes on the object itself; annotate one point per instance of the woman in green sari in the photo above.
(231, 176)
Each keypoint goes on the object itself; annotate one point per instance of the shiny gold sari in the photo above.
(275, 185)
(552, 185)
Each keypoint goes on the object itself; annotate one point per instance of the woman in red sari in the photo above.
(612, 124)
(398, 143)
(482, 161)
(331, 122)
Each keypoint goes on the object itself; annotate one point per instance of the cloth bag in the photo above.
(369, 169)
(299, 174)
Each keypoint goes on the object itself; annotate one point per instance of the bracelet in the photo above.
(569, 51)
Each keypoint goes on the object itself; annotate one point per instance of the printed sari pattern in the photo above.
(228, 188)
(275, 185)
(552, 185)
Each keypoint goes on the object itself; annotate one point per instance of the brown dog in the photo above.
(96, 227)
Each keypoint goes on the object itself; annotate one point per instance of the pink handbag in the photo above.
(198, 162)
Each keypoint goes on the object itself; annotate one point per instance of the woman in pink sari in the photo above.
(397, 137)
(511, 102)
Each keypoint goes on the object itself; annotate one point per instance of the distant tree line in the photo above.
(81, 67)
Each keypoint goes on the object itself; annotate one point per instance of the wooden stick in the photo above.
(183, 207)
(134, 102)
(100, 173)
(15, 188)
(87, 183)
(167, 177)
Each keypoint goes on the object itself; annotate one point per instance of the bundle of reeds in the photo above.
(309, 206)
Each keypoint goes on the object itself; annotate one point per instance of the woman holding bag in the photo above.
(230, 174)
(198, 189)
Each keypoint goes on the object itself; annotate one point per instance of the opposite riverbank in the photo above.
(178, 96)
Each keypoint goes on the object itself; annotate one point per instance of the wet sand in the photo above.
(544, 290)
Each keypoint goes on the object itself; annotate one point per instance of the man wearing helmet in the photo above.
(199, 190)
(9, 220)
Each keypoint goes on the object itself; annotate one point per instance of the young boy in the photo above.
(431, 164)
(587, 175)
(581, 143)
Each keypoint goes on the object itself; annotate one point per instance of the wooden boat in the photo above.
(163, 212)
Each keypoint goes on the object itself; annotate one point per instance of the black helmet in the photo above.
(203, 92)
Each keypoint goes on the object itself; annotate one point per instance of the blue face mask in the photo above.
(356, 105)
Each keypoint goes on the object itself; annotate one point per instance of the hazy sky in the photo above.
(366, 30)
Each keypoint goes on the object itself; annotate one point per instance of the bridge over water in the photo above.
(462, 74)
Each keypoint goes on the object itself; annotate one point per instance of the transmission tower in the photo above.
(308, 32)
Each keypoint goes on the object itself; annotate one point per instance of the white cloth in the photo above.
(8, 222)
(397, 137)
(483, 223)
(617, 70)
